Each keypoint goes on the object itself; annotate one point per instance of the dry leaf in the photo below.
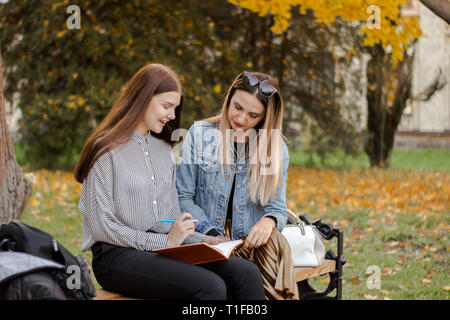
(387, 271)
(33, 202)
(355, 281)
(392, 244)
(370, 297)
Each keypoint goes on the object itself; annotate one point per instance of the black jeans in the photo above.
(144, 274)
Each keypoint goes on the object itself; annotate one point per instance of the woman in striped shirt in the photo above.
(128, 173)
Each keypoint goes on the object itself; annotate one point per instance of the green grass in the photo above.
(411, 266)
(417, 159)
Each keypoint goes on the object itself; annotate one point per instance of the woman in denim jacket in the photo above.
(232, 176)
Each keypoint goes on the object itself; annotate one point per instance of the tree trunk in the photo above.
(439, 7)
(375, 115)
(388, 90)
(384, 116)
(15, 188)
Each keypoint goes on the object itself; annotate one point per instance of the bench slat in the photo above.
(303, 273)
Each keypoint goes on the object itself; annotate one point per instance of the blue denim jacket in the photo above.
(204, 192)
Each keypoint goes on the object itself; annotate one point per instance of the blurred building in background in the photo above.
(427, 123)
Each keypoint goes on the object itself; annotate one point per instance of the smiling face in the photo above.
(245, 111)
(160, 110)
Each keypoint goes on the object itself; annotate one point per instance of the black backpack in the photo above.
(45, 268)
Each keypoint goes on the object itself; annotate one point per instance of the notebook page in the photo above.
(226, 247)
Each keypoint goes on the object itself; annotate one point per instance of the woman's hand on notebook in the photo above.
(215, 240)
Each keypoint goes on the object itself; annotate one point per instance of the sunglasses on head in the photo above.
(265, 88)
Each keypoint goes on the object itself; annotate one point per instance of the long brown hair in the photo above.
(124, 117)
(262, 186)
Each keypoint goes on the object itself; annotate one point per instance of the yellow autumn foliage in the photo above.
(392, 29)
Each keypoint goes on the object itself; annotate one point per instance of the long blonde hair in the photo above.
(263, 185)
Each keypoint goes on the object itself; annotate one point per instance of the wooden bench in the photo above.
(332, 266)
(301, 275)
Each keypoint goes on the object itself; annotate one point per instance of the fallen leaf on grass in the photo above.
(391, 244)
(426, 281)
(385, 292)
(355, 281)
(370, 297)
(387, 271)
(447, 288)
(349, 265)
(33, 202)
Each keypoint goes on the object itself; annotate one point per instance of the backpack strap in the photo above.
(7, 245)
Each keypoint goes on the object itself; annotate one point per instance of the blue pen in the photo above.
(172, 221)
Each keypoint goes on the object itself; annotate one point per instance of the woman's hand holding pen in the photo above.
(181, 228)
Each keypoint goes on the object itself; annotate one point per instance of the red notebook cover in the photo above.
(201, 252)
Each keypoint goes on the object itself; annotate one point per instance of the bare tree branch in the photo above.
(437, 84)
(440, 7)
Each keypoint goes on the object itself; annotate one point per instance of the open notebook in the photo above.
(201, 252)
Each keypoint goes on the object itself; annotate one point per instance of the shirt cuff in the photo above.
(273, 218)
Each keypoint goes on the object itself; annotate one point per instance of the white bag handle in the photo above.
(297, 221)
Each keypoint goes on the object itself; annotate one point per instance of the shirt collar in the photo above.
(139, 138)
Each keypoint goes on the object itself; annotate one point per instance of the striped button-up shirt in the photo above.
(128, 191)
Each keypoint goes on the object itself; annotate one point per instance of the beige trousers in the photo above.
(275, 264)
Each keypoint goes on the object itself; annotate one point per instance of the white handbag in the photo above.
(307, 248)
